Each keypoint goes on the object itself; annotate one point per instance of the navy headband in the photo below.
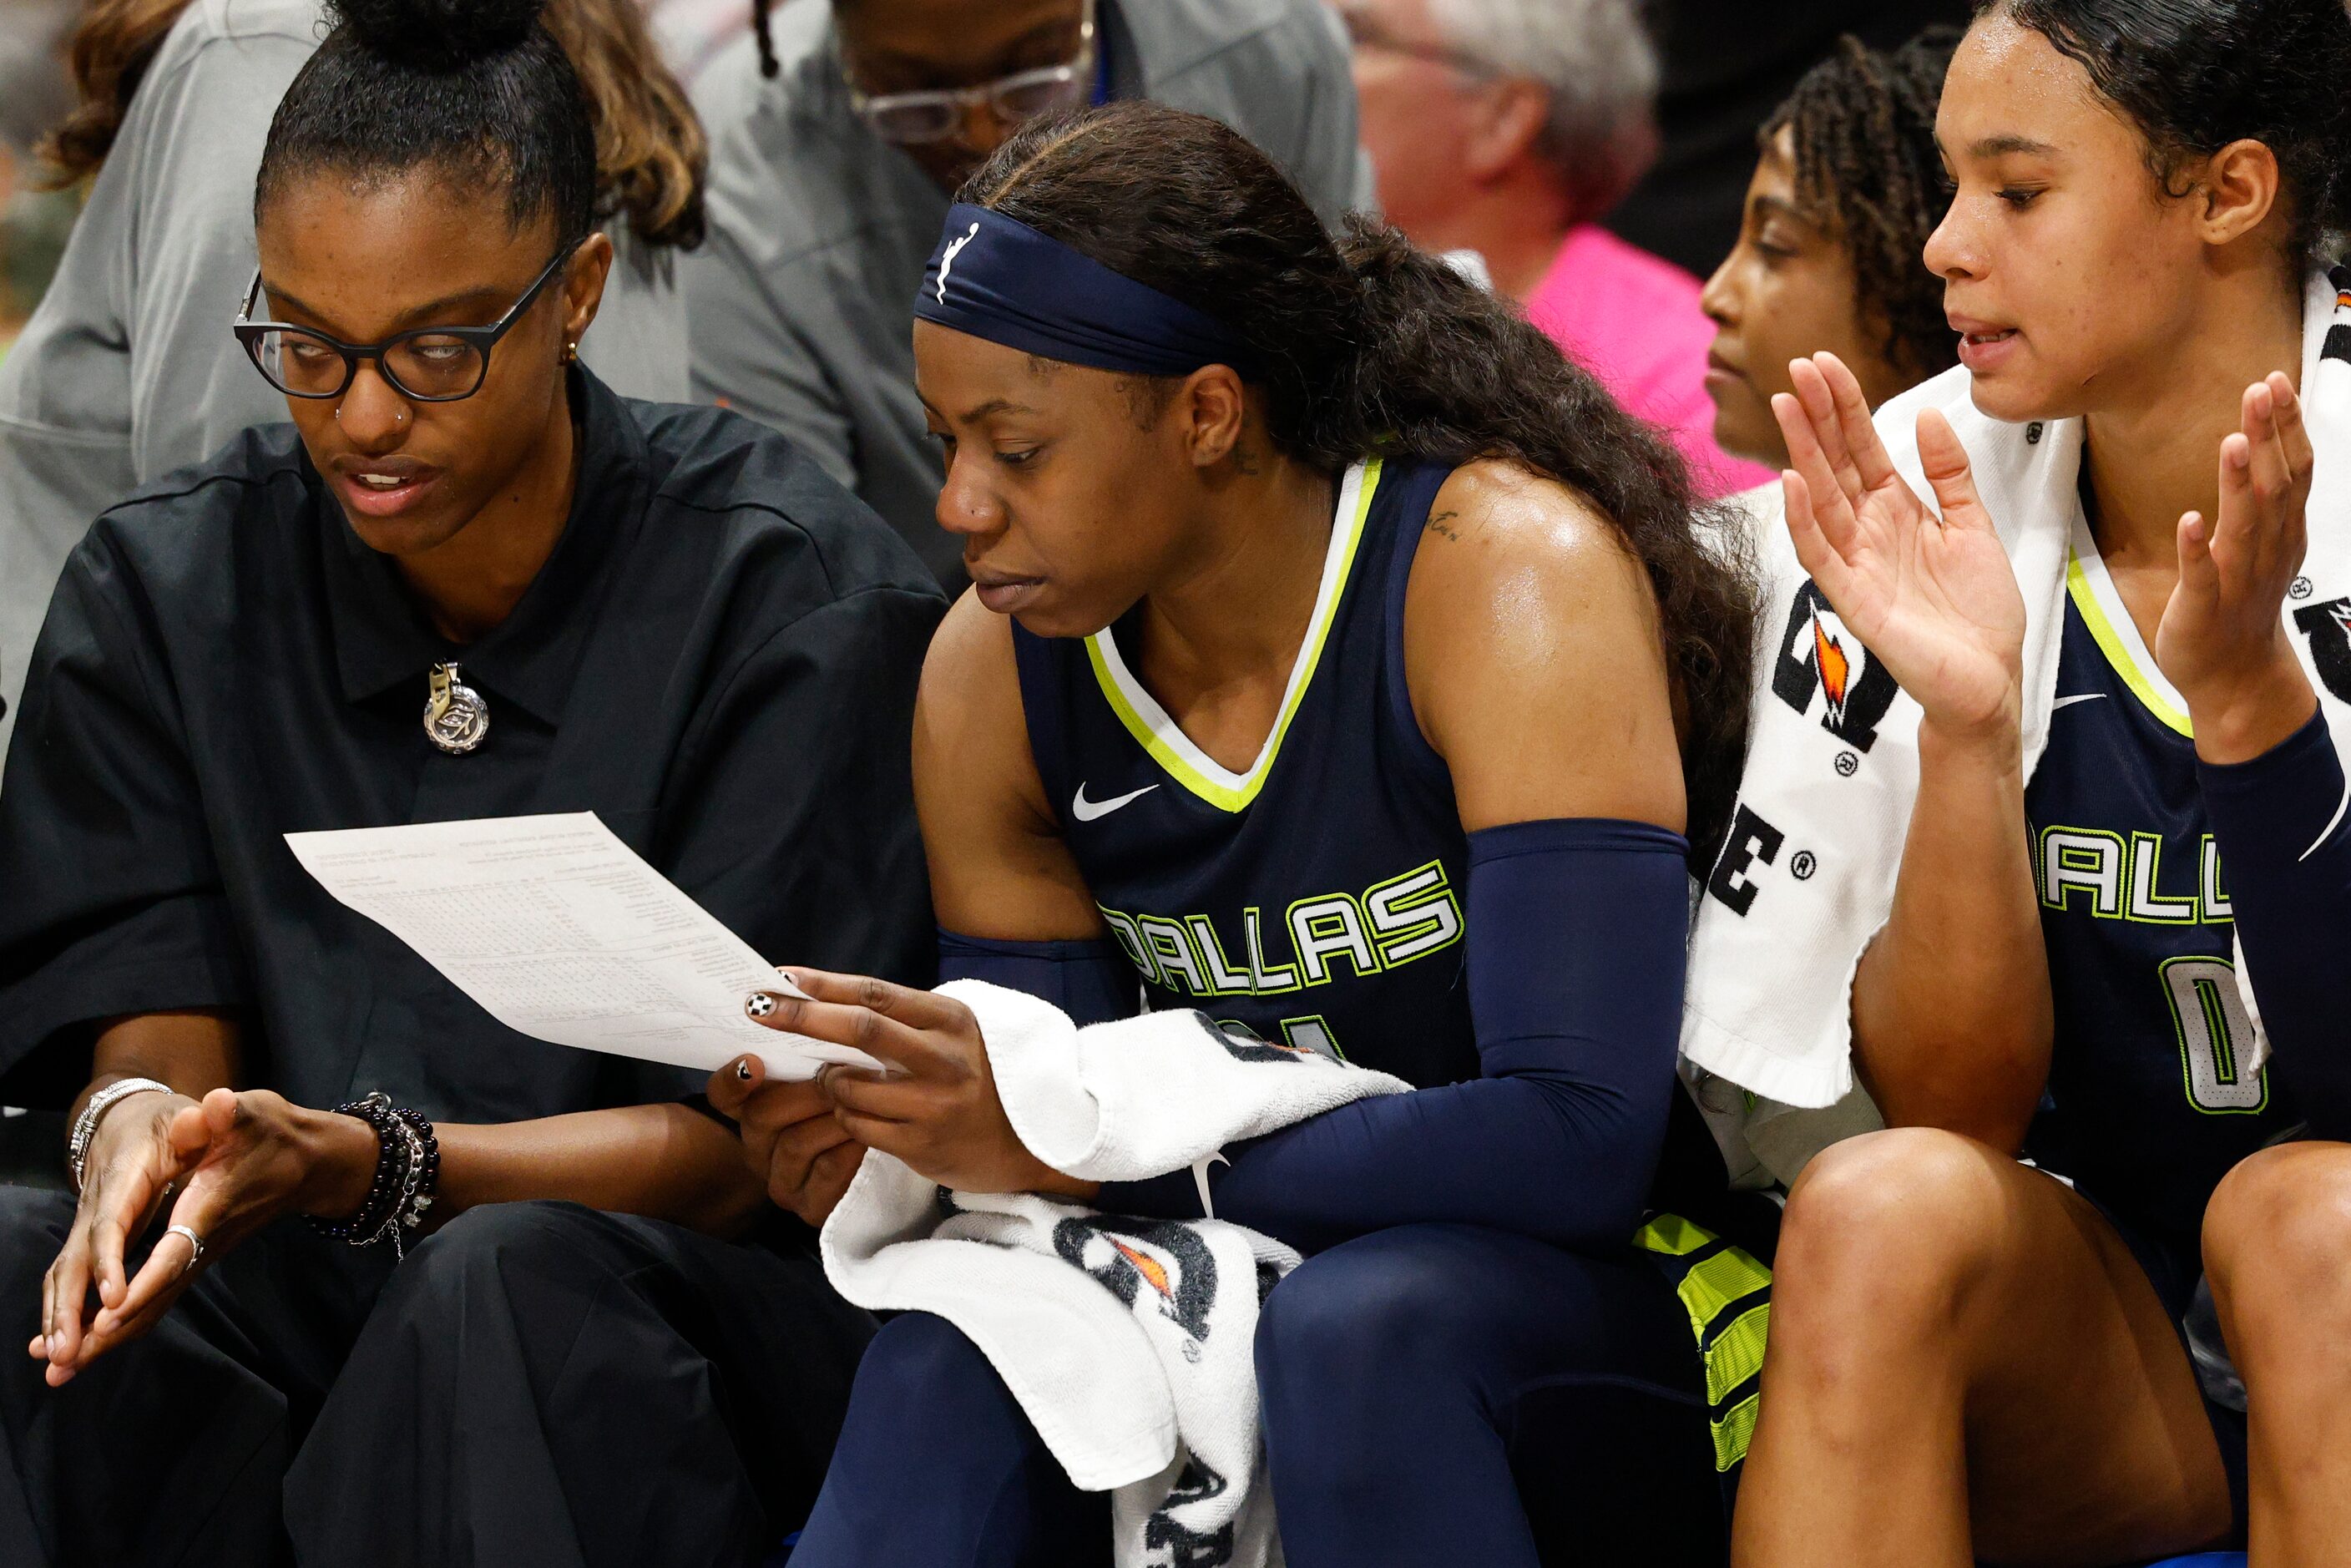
(996, 277)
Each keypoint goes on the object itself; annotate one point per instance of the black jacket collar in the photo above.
(381, 640)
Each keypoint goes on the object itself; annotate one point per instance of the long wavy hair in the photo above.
(1366, 344)
(650, 152)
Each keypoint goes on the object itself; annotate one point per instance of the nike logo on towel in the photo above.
(1086, 810)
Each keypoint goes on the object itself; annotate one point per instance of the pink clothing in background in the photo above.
(1633, 319)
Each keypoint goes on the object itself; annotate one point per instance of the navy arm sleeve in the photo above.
(1091, 981)
(1577, 932)
(2285, 845)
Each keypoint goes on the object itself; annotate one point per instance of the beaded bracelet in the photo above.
(407, 1175)
(412, 1168)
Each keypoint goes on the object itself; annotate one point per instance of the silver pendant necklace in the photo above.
(455, 717)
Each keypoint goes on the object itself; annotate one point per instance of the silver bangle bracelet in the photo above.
(85, 1127)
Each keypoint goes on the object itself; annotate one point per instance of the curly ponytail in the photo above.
(1366, 344)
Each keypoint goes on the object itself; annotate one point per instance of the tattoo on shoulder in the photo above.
(1438, 522)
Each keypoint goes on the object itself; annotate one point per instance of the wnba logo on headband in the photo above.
(1028, 291)
(946, 257)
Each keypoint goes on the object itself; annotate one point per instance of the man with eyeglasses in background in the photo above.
(829, 179)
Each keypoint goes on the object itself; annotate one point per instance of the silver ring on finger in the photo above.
(195, 1242)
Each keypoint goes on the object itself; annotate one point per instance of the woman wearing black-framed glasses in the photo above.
(350, 1269)
(424, 364)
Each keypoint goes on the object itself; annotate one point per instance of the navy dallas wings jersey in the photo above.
(1315, 901)
(2151, 1097)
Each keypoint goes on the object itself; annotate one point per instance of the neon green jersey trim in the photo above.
(1673, 1235)
(1721, 1280)
(1738, 1355)
(1735, 1432)
(2110, 643)
(1226, 797)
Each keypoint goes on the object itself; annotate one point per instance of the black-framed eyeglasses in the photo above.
(911, 118)
(430, 364)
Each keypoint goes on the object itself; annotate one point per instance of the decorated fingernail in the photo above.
(743, 1070)
(759, 1004)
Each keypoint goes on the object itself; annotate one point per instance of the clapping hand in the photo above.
(2222, 640)
(1933, 597)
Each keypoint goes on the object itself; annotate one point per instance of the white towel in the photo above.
(1128, 1343)
(1807, 878)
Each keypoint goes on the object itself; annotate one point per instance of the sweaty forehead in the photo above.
(2011, 90)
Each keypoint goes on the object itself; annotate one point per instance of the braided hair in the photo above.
(1862, 126)
(763, 29)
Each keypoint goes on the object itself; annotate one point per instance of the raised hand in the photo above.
(1932, 597)
(937, 1108)
(131, 1168)
(2222, 640)
(792, 1139)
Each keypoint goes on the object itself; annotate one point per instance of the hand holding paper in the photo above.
(563, 932)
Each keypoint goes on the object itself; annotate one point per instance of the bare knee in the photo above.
(2277, 1238)
(1889, 1228)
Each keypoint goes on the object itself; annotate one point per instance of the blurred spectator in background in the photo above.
(1845, 191)
(1727, 64)
(1507, 128)
(36, 92)
(128, 369)
(692, 35)
(828, 193)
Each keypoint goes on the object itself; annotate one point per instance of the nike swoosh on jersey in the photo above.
(2080, 697)
(1086, 810)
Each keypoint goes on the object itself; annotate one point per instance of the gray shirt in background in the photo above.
(127, 370)
(801, 306)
